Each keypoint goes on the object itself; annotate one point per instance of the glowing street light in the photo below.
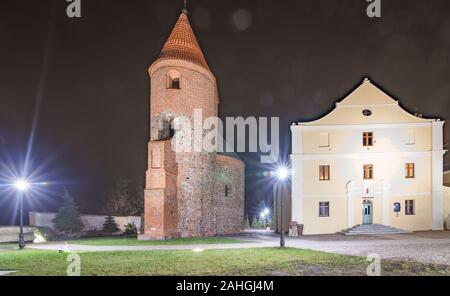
(265, 215)
(22, 186)
(282, 173)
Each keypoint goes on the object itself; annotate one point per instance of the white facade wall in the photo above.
(337, 140)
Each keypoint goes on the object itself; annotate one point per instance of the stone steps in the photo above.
(373, 229)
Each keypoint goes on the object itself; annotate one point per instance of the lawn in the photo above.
(7, 245)
(264, 261)
(132, 241)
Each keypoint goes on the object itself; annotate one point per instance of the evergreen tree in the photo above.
(68, 218)
(110, 225)
(246, 222)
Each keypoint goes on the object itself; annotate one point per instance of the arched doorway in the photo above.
(367, 212)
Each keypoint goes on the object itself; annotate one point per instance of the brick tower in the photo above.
(179, 186)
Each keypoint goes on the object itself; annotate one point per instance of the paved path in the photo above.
(81, 248)
(6, 272)
(427, 247)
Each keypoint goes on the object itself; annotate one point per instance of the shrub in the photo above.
(110, 225)
(257, 223)
(130, 229)
(45, 233)
(93, 233)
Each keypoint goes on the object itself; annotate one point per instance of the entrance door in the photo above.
(367, 212)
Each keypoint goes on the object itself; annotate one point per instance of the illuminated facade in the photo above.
(368, 162)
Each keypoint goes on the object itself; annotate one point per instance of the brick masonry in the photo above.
(185, 192)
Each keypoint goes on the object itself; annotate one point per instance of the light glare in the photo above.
(21, 185)
(282, 173)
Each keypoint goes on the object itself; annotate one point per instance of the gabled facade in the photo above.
(368, 161)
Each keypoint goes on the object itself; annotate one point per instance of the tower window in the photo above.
(368, 172)
(367, 139)
(175, 83)
(173, 80)
(227, 190)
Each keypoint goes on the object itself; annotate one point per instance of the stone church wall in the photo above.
(229, 208)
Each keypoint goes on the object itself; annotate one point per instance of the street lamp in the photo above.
(282, 174)
(21, 185)
(265, 216)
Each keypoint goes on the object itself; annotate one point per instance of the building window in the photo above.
(367, 139)
(324, 140)
(324, 209)
(368, 172)
(409, 171)
(410, 137)
(175, 83)
(227, 190)
(173, 80)
(409, 207)
(324, 172)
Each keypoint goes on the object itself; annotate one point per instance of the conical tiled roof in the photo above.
(182, 44)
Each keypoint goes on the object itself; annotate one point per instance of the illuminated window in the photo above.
(409, 170)
(409, 207)
(324, 209)
(367, 139)
(324, 172)
(173, 80)
(368, 172)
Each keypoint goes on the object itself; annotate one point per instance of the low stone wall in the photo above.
(90, 222)
(10, 234)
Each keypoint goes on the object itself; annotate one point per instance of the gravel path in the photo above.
(419, 247)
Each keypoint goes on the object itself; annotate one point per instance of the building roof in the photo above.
(182, 44)
(367, 104)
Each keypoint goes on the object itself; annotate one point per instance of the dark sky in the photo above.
(87, 81)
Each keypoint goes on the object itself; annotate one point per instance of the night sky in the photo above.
(84, 82)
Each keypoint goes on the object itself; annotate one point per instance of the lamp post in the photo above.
(282, 174)
(21, 186)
